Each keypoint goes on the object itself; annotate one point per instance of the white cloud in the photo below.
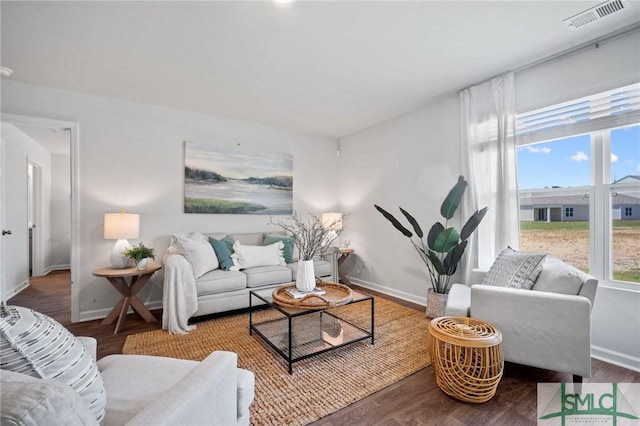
(533, 149)
(638, 168)
(614, 158)
(579, 156)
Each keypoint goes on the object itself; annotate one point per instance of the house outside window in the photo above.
(590, 151)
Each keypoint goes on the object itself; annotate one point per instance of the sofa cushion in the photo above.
(251, 256)
(287, 250)
(514, 269)
(196, 248)
(558, 277)
(321, 268)
(246, 238)
(34, 344)
(219, 281)
(27, 400)
(267, 275)
(223, 251)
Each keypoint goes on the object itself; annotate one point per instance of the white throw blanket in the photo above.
(179, 298)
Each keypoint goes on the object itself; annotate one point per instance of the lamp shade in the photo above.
(118, 226)
(332, 221)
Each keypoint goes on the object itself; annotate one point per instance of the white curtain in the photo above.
(489, 164)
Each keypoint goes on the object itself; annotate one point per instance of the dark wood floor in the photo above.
(415, 400)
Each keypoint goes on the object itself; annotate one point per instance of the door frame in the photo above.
(75, 192)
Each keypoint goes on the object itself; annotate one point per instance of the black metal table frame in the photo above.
(368, 334)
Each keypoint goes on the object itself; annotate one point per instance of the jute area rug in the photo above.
(319, 385)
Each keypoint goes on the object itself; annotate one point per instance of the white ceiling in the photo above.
(328, 68)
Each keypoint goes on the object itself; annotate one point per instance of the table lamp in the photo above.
(120, 226)
(332, 222)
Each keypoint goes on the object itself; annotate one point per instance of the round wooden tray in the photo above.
(335, 295)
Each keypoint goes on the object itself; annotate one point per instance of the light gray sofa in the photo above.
(548, 326)
(140, 390)
(219, 290)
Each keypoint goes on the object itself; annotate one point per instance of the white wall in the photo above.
(60, 241)
(131, 158)
(413, 160)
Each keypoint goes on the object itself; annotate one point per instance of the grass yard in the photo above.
(570, 242)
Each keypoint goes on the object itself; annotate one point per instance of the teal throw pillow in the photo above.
(287, 251)
(223, 253)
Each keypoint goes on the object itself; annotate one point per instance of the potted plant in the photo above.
(140, 254)
(312, 237)
(444, 245)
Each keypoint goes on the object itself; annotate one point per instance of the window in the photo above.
(589, 150)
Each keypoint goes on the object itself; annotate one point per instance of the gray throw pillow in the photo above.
(515, 269)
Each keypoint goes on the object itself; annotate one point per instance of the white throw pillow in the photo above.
(252, 256)
(31, 343)
(558, 277)
(514, 269)
(198, 251)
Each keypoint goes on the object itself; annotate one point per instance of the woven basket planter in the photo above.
(436, 304)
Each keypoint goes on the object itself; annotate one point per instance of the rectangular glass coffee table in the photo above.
(296, 334)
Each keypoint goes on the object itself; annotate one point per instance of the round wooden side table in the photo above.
(467, 357)
(128, 291)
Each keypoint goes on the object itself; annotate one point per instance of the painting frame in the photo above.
(223, 179)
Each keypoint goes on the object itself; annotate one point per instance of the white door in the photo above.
(14, 239)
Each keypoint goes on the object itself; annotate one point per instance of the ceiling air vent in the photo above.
(597, 13)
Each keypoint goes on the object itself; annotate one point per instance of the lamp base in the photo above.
(119, 260)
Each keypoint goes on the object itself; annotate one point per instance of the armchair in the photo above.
(49, 376)
(548, 326)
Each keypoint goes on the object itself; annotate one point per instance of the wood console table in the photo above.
(129, 291)
(344, 254)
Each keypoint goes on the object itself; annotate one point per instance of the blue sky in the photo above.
(567, 162)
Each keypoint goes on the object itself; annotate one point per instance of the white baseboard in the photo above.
(616, 358)
(390, 291)
(15, 290)
(102, 313)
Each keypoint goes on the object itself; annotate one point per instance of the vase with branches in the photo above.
(312, 237)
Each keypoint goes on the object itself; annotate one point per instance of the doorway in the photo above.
(50, 204)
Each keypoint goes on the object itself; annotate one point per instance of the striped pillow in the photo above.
(34, 344)
(515, 269)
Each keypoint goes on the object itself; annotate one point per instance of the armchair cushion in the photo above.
(37, 345)
(558, 277)
(514, 269)
(147, 390)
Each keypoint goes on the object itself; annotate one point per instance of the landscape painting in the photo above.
(230, 180)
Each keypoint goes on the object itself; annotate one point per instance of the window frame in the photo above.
(600, 208)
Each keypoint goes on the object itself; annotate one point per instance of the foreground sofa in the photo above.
(198, 280)
(67, 387)
(546, 326)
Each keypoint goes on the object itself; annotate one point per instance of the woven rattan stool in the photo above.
(467, 357)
